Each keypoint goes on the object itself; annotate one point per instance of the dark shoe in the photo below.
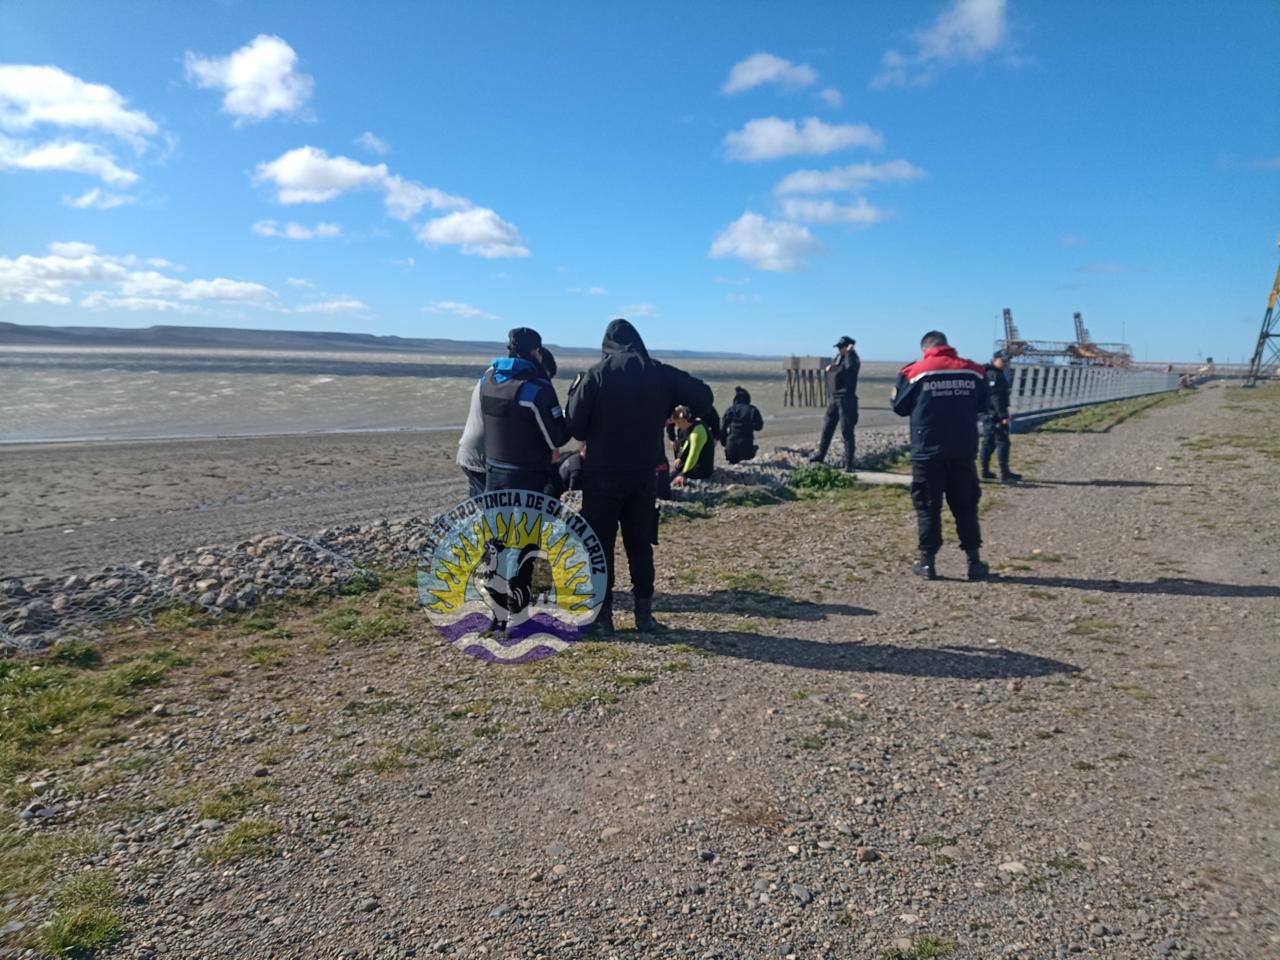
(602, 629)
(987, 474)
(644, 616)
(978, 570)
(817, 459)
(1010, 477)
(923, 567)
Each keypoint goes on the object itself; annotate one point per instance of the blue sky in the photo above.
(750, 177)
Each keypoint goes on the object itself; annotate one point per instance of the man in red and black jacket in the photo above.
(944, 395)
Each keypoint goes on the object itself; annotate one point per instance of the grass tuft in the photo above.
(248, 839)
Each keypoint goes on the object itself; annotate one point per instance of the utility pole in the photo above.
(1268, 336)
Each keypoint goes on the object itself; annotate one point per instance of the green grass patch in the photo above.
(1103, 416)
(1082, 765)
(555, 700)
(433, 745)
(1065, 863)
(233, 802)
(1135, 690)
(247, 840)
(632, 680)
(85, 918)
(266, 655)
(76, 695)
(818, 477)
(924, 947)
(814, 741)
(350, 623)
(934, 841)
(29, 860)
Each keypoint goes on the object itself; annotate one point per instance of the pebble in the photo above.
(501, 910)
(801, 894)
(1013, 867)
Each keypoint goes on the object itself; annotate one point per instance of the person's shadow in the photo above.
(1100, 483)
(1169, 586)
(758, 603)
(956, 661)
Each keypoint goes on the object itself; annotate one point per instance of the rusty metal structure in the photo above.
(1079, 352)
(1267, 352)
(806, 384)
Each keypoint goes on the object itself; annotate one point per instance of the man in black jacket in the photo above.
(944, 395)
(842, 407)
(619, 407)
(995, 424)
(524, 427)
(739, 426)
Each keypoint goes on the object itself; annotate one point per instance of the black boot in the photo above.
(986, 470)
(602, 629)
(644, 616)
(1008, 476)
(923, 567)
(818, 457)
(978, 570)
(848, 461)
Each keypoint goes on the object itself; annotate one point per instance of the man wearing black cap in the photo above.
(618, 408)
(995, 422)
(524, 427)
(842, 408)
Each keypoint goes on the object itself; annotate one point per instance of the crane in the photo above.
(1268, 336)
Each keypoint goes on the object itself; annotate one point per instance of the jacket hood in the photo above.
(507, 368)
(741, 396)
(621, 337)
(947, 351)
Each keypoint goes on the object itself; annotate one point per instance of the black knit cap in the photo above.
(522, 341)
(845, 341)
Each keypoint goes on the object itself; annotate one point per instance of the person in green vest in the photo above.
(696, 457)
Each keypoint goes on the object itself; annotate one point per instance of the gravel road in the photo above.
(823, 758)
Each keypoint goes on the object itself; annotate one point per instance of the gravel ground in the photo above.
(821, 758)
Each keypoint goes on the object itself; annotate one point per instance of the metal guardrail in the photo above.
(1040, 391)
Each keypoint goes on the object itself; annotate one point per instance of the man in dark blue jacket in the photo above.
(943, 395)
(995, 424)
(842, 408)
(524, 427)
(618, 408)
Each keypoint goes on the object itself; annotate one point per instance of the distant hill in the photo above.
(232, 338)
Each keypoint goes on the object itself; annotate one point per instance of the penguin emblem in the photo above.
(509, 597)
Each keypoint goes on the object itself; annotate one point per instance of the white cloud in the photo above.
(966, 32)
(407, 262)
(761, 68)
(589, 291)
(97, 199)
(309, 175)
(335, 305)
(454, 308)
(373, 143)
(72, 250)
(638, 310)
(111, 281)
(772, 137)
(832, 97)
(479, 232)
(299, 282)
(296, 231)
(766, 244)
(856, 176)
(32, 95)
(828, 211)
(258, 80)
(72, 156)
(101, 301)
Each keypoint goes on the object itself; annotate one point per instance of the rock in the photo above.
(1013, 867)
(1097, 930)
(867, 855)
(422, 794)
(706, 855)
(160, 710)
(801, 894)
(39, 787)
(952, 853)
(501, 910)
(1166, 948)
(559, 870)
(608, 833)
(261, 772)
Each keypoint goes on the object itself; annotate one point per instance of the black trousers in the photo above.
(627, 500)
(842, 411)
(506, 478)
(995, 439)
(736, 452)
(475, 482)
(957, 482)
